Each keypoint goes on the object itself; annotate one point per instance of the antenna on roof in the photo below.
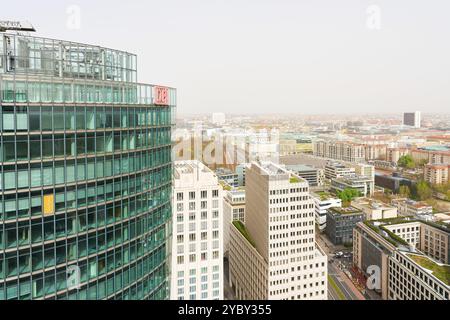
(16, 26)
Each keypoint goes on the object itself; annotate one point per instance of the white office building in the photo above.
(322, 202)
(197, 244)
(274, 255)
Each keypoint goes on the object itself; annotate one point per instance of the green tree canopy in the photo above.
(404, 191)
(424, 191)
(406, 161)
(348, 194)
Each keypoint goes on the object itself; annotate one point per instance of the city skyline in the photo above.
(228, 56)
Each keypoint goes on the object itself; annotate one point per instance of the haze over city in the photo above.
(306, 57)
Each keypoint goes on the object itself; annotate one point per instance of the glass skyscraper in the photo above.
(85, 175)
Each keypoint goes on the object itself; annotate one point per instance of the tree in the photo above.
(424, 191)
(404, 191)
(348, 194)
(407, 162)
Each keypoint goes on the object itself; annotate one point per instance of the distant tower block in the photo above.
(412, 119)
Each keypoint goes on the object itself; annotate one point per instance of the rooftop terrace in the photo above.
(440, 271)
(243, 230)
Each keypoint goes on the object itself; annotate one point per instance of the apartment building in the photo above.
(197, 242)
(322, 202)
(274, 255)
(233, 210)
(430, 156)
(375, 151)
(436, 174)
(339, 150)
(394, 154)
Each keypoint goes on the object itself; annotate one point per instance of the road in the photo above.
(340, 287)
(343, 287)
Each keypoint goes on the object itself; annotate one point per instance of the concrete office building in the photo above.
(401, 248)
(365, 185)
(413, 276)
(85, 174)
(274, 255)
(315, 177)
(336, 170)
(340, 224)
(408, 207)
(197, 244)
(233, 210)
(228, 176)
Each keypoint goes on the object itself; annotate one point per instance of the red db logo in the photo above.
(161, 96)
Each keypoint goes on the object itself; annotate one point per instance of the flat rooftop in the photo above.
(345, 210)
(300, 167)
(440, 271)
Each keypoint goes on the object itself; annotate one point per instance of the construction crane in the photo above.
(16, 26)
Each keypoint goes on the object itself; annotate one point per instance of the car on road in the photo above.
(339, 254)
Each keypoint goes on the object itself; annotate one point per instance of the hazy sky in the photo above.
(269, 56)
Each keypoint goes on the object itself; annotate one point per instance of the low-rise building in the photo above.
(324, 201)
(336, 170)
(340, 224)
(363, 184)
(408, 207)
(375, 210)
(391, 182)
(233, 210)
(228, 176)
(312, 175)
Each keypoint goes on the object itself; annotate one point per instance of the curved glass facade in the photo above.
(86, 174)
